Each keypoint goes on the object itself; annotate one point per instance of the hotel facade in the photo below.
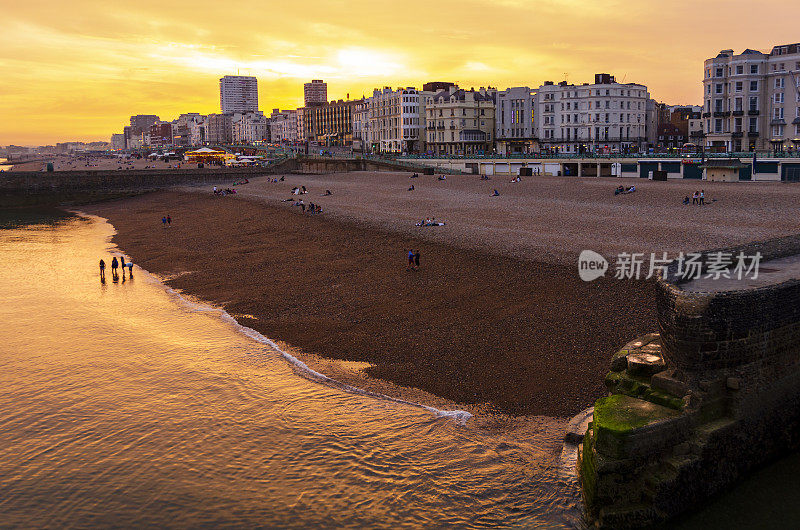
(751, 101)
(460, 122)
(605, 116)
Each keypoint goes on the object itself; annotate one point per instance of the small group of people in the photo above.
(166, 221)
(240, 182)
(115, 265)
(516, 179)
(414, 176)
(430, 221)
(485, 177)
(698, 197)
(313, 208)
(306, 208)
(622, 190)
(299, 191)
(413, 260)
(226, 191)
(441, 177)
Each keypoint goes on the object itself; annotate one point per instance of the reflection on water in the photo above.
(3, 165)
(120, 405)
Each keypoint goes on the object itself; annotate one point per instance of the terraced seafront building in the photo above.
(460, 122)
(751, 101)
(330, 124)
(396, 120)
(603, 116)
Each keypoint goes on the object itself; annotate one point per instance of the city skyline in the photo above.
(75, 73)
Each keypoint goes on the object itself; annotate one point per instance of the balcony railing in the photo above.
(752, 112)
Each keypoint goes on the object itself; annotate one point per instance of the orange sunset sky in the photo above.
(77, 69)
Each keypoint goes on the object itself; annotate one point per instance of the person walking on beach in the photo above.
(169, 221)
(102, 271)
(122, 265)
(410, 265)
(164, 222)
(416, 259)
(130, 269)
(702, 197)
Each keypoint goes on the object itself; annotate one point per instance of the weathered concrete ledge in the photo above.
(691, 409)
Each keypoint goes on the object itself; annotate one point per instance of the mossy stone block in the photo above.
(618, 418)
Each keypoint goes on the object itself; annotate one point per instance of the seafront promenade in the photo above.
(763, 167)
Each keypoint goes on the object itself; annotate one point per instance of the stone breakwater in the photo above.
(26, 188)
(713, 395)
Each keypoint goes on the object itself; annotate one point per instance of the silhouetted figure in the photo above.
(102, 271)
(416, 258)
(169, 221)
(130, 269)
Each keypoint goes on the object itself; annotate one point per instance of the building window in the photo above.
(740, 69)
(739, 86)
(719, 72)
(718, 88)
(753, 86)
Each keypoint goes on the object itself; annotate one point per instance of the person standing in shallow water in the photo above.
(122, 265)
(102, 270)
(114, 265)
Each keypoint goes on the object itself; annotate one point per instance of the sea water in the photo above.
(122, 404)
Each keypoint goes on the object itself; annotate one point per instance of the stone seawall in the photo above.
(691, 409)
(25, 188)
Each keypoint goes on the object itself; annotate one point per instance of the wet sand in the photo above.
(496, 318)
(494, 332)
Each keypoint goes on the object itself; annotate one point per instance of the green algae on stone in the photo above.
(617, 419)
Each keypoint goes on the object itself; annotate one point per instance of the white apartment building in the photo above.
(605, 116)
(752, 100)
(238, 94)
(283, 126)
(396, 118)
(460, 122)
(250, 128)
(515, 127)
